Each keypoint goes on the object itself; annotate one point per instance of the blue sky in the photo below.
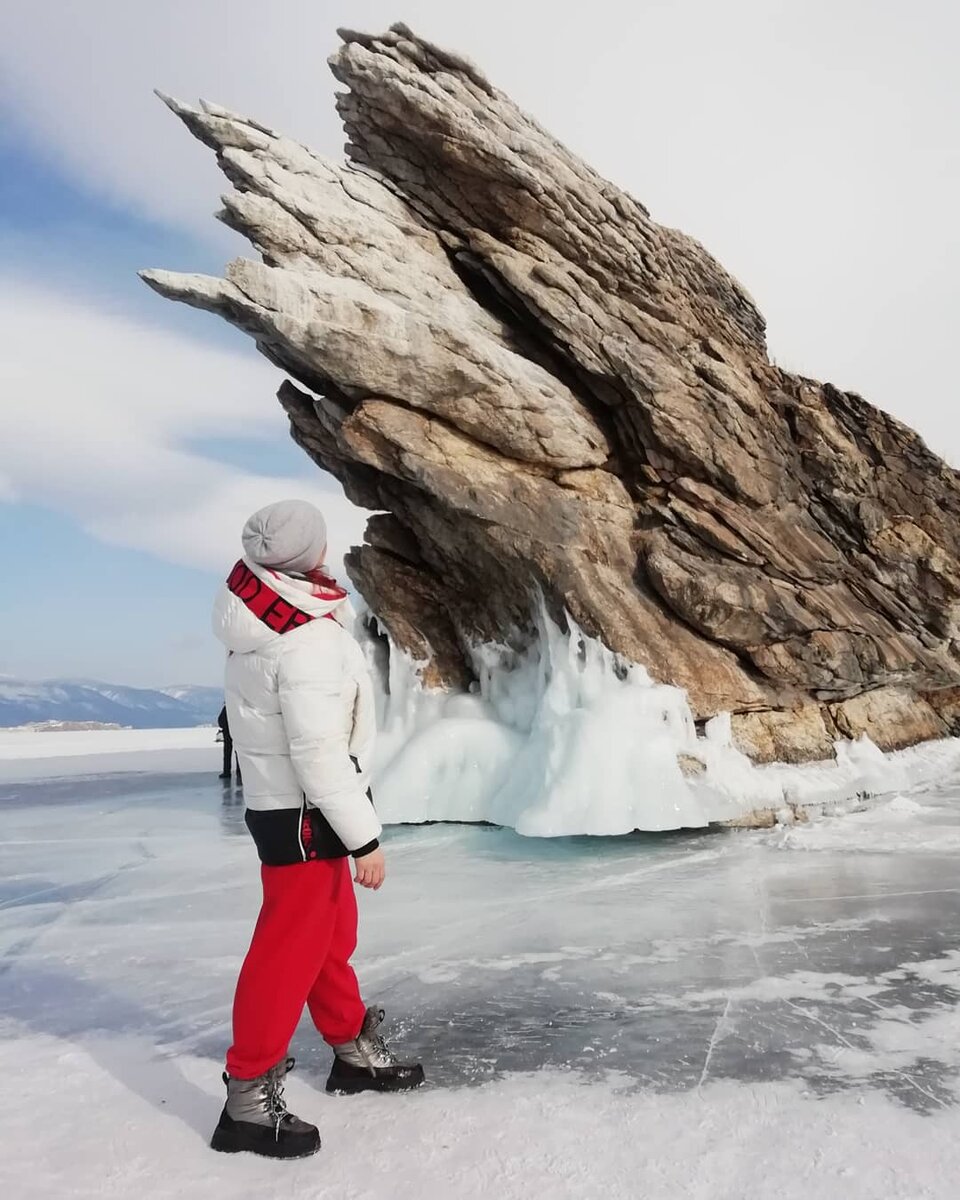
(811, 147)
(82, 606)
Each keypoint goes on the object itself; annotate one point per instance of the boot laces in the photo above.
(376, 1051)
(273, 1102)
(380, 1052)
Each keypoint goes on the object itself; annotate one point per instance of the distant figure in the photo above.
(227, 747)
(301, 705)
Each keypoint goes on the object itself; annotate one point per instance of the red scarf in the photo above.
(269, 607)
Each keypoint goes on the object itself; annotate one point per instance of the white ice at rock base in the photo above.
(569, 739)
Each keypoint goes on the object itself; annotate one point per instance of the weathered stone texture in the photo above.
(553, 395)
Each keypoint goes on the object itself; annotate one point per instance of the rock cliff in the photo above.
(543, 391)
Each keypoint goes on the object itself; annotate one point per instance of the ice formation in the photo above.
(570, 739)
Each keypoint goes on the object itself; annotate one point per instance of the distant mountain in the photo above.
(204, 702)
(23, 701)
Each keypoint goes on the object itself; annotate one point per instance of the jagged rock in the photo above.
(946, 704)
(405, 601)
(553, 395)
(891, 717)
(690, 766)
(792, 735)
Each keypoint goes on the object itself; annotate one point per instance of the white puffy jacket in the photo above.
(301, 712)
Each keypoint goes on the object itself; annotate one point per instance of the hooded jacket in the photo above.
(301, 711)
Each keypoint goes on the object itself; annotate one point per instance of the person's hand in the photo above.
(371, 869)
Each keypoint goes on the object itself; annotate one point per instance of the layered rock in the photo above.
(545, 393)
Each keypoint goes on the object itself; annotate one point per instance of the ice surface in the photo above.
(704, 1014)
(31, 754)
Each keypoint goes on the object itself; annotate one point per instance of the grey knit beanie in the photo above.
(289, 536)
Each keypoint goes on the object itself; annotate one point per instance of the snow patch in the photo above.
(138, 1122)
(38, 754)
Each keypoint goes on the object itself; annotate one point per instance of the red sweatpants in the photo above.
(300, 954)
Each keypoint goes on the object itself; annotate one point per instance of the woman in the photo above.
(300, 707)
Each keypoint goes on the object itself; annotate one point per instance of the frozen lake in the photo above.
(726, 984)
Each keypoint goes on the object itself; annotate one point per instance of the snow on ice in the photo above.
(32, 754)
(702, 1014)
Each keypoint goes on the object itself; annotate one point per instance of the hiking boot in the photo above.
(367, 1064)
(255, 1118)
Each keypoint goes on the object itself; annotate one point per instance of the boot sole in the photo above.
(228, 1143)
(352, 1087)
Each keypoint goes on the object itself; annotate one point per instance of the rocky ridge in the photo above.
(544, 392)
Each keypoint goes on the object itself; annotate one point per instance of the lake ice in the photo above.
(690, 1014)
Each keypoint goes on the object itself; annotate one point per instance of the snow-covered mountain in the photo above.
(203, 702)
(23, 701)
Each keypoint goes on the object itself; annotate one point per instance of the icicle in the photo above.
(566, 738)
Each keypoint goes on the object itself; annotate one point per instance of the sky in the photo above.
(811, 145)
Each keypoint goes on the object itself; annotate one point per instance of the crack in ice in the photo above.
(721, 1020)
(850, 1046)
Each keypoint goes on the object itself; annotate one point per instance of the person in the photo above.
(226, 773)
(300, 706)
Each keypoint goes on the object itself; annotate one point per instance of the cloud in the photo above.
(79, 78)
(99, 417)
(810, 147)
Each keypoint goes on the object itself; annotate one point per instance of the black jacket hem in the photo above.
(285, 836)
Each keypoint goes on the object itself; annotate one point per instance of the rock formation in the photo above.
(542, 391)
